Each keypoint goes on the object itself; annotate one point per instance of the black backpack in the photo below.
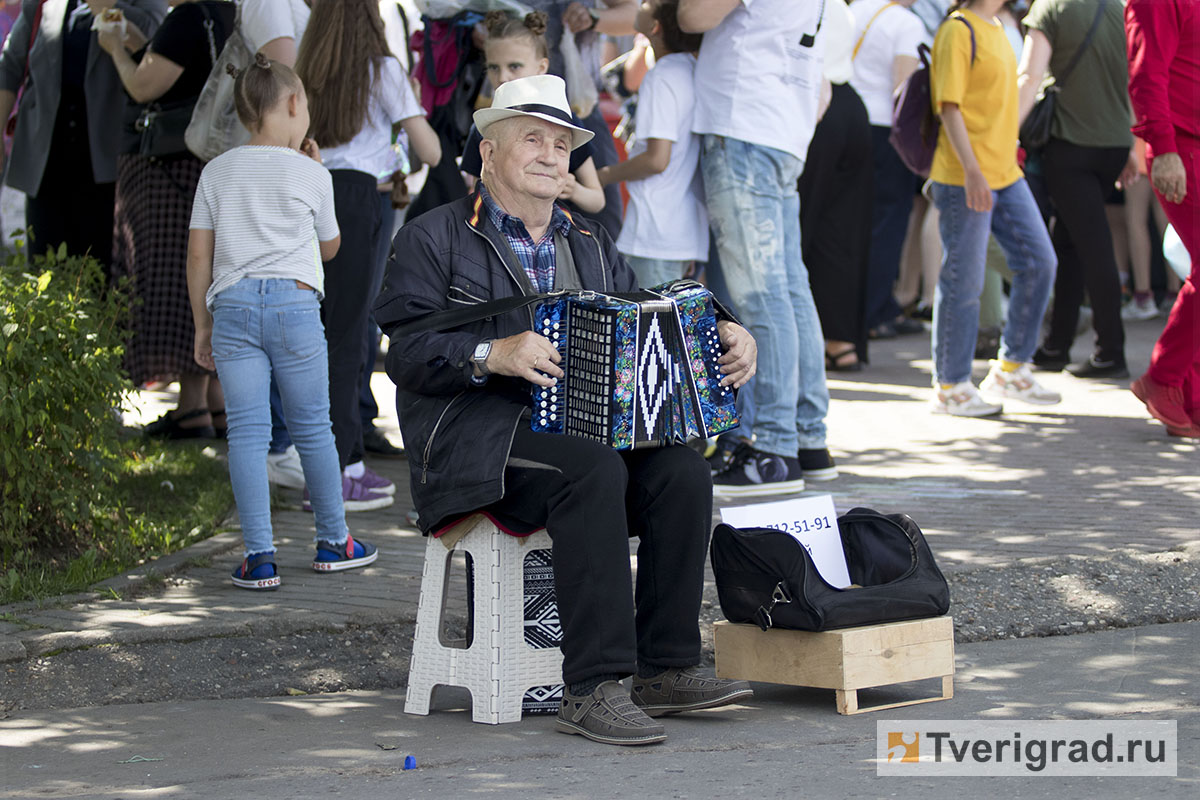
(767, 577)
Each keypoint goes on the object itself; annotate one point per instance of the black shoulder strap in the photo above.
(452, 318)
(457, 317)
(963, 20)
(1059, 80)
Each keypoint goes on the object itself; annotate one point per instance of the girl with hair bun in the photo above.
(262, 222)
(516, 48)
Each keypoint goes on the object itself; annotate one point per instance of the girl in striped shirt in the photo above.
(262, 224)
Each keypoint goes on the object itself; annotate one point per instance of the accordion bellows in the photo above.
(640, 372)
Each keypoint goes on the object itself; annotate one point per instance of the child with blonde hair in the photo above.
(516, 48)
(262, 223)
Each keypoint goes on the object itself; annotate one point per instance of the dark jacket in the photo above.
(458, 435)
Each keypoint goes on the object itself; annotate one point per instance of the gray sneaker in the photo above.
(607, 716)
(685, 689)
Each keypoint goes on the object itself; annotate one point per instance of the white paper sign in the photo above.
(812, 521)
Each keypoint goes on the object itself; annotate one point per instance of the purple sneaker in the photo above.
(357, 497)
(376, 482)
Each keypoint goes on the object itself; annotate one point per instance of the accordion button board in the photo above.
(639, 372)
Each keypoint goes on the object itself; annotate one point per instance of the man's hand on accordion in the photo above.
(741, 354)
(527, 355)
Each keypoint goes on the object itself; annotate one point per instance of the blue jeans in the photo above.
(754, 210)
(263, 328)
(654, 271)
(1018, 227)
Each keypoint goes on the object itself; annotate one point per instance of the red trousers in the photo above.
(1176, 357)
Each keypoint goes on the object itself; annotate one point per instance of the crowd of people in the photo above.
(761, 162)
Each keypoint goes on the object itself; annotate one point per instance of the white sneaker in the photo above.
(963, 400)
(1139, 311)
(284, 469)
(1018, 385)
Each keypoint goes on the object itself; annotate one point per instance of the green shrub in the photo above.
(61, 347)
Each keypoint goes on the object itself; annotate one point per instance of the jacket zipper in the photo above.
(433, 434)
(507, 269)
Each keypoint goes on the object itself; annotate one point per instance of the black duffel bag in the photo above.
(767, 577)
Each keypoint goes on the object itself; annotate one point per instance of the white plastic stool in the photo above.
(498, 667)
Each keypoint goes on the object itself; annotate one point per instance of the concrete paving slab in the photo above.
(786, 742)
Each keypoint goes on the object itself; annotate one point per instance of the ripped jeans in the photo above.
(754, 210)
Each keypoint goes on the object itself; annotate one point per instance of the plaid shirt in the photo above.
(537, 258)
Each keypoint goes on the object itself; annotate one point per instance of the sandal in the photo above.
(169, 427)
(836, 362)
(257, 572)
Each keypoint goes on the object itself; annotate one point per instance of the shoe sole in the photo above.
(257, 584)
(1100, 374)
(349, 563)
(389, 490)
(979, 414)
(1001, 393)
(713, 702)
(357, 505)
(1184, 433)
(383, 501)
(759, 489)
(823, 474)
(277, 479)
(571, 728)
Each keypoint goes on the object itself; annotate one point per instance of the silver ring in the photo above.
(535, 361)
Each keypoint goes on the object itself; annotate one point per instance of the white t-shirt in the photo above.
(666, 217)
(267, 20)
(755, 80)
(895, 32)
(838, 28)
(268, 207)
(392, 100)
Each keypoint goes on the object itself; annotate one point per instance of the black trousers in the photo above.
(1080, 179)
(70, 207)
(894, 188)
(591, 499)
(835, 217)
(352, 281)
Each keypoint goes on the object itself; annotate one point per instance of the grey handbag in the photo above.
(214, 126)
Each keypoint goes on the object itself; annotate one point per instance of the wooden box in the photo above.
(845, 660)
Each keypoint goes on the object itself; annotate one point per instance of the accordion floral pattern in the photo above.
(641, 370)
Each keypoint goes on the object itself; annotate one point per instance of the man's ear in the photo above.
(487, 151)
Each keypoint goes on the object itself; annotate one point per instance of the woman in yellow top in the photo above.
(979, 189)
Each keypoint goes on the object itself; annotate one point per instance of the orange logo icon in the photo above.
(904, 747)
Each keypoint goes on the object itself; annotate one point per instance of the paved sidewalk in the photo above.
(1085, 477)
(784, 742)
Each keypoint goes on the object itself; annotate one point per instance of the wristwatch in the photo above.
(595, 14)
(480, 356)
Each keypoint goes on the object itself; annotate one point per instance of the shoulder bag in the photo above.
(214, 126)
(157, 129)
(1035, 130)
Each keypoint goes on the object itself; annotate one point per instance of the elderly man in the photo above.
(464, 405)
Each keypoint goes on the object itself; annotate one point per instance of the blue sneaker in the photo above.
(332, 557)
(257, 572)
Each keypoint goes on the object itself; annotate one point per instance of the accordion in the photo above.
(640, 369)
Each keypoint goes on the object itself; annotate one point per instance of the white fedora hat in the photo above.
(541, 96)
